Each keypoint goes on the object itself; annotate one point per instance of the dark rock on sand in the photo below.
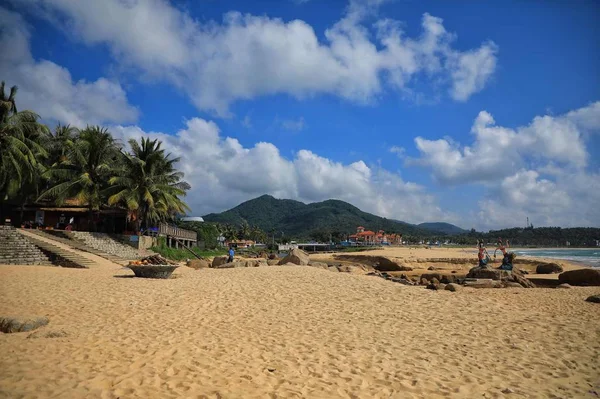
(431, 268)
(452, 287)
(198, 264)
(504, 276)
(219, 260)
(432, 286)
(381, 263)
(548, 268)
(580, 277)
(593, 299)
(21, 324)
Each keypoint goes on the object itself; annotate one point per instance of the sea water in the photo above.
(589, 257)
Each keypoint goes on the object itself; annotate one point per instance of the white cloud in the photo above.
(248, 56)
(48, 88)
(569, 200)
(498, 152)
(223, 173)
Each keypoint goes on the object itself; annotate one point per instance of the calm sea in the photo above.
(590, 257)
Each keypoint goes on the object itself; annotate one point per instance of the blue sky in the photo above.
(479, 114)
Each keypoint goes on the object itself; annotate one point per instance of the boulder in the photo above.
(441, 286)
(354, 269)
(272, 262)
(333, 269)
(564, 286)
(380, 263)
(480, 283)
(548, 268)
(512, 284)
(219, 260)
(434, 281)
(441, 278)
(431, 268)
(272, 256)
(452, 287)
(504, 276)
(424, 281)
(320, 265)
(229, 265)
(297, 257)
(580, 277)
(432, 286)
(21, 324)
(198, 264)
(593, 299)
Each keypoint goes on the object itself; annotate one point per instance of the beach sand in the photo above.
(291, 332)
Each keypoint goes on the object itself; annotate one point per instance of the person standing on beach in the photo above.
(231, 253)
(482, 255)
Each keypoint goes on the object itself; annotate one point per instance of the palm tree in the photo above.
(85, 169)
(148, 184)
(61, 141)
(21, 145)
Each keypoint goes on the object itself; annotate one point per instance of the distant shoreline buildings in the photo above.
(368, 237)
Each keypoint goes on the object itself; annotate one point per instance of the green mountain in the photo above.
(298, 220)
(441, 227)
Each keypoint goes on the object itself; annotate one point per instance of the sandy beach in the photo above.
(290, 332)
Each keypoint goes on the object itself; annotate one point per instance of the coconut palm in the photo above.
(22, 140)
(84, 172)
(148, 184)
(61, 141)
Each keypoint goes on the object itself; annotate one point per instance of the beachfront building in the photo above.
(368, 237)
(240, 243)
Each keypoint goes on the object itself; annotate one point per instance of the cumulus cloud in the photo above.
(498, 152)
(49, 89)
(247, 56)
(224, 173)
(294, 125)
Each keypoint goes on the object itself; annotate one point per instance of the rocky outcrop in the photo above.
(272, 262)
(548, 268)
(580, 277)
(297, 257)
(218, 261)
(593, 299)
(21, 324)
(514, 275)
(320, 265)
(380, 263)
(198, 264)
(452, 287)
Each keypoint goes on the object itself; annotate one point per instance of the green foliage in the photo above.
(180, 254)
(538, 237)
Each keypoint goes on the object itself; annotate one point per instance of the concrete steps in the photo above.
(105, 243)
(62, 257)
(18, 250)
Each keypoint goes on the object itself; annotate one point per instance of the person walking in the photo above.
(231, 254)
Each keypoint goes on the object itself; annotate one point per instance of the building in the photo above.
(368, 237)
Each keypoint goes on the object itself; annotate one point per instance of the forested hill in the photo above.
(442, 228)
(298, 220)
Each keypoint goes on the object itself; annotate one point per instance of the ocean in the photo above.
(589, 257)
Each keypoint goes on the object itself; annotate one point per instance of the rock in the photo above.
(434, 281)
(354, 269)
(380, 263)
(229, 265)
(272, 256)
(424, 281)
(431, 268)
(507, 391)
(198, 264)
(297, 257)
(432, 286)
(272, 262)
(321, 265)
(511, 284)
(564, 286)
(452, 287)
(593, 299)
(48, 334)
(21, 324)
(453, 271)
(441, 286)
(581, 277)
(441, 278)
(548, 268)
(514, 275)
(333, 269)
(219, 260)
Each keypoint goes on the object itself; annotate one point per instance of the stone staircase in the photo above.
(18, 250)
(60, 256)
(104, 243)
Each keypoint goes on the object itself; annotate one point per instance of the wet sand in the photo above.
(291, 332)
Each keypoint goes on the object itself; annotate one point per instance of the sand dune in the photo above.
(291, 332)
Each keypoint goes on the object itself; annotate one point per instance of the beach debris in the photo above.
(152, 260)
(581, 277)
(297, 257)
(564, 286)
(197, 264)
(593, 298)
(548, 268)
(48, 334)
(452, 287)
(271, 369)
(514, 275)
(21, 324)
(218, 261)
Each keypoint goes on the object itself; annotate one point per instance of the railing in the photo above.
(166, 230)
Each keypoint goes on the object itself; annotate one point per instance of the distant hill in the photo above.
(442, 227)
(299, 220)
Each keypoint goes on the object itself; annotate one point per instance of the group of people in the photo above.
(502, 246)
